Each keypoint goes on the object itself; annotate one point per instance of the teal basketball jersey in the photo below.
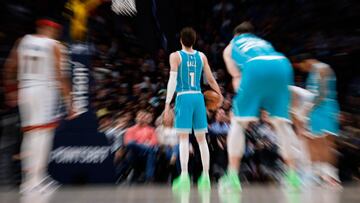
(324, 117)
(313, 82)
(189, 71)
(248, 46)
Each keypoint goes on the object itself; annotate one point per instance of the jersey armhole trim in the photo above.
(179, 56)
(201, 59)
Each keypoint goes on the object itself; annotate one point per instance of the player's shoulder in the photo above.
(202, 55)
(19, 41)
(175, 56)
(323, 68)
(24, 39)
(175, 53)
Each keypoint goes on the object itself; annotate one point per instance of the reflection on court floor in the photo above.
(163, 194)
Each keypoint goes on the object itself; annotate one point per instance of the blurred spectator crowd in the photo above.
(129, 89)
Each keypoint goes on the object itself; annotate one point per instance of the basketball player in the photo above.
(187, 66)
(35, 59)
(319, 116)
(265, 75)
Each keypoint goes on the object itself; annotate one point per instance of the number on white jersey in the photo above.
(31, 65)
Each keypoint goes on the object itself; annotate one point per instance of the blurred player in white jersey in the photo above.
(36, 59)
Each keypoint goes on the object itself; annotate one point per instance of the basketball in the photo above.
(212, 100)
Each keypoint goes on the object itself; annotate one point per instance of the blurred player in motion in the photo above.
(318, 116)
(265, 75)
(187, 66)
(35, 59)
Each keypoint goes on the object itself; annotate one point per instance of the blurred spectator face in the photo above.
(165, 72)
(161, 66)
(144, 118)
(145, 68)
(227, 104)
(123, 90)
(161, 54)
(105, 122)
(103, 48)
(140, 61)
(136, 90)
(344, 118)
(220, 116)
(123, 120)
(220, 73)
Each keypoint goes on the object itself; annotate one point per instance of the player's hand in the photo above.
(168, 116)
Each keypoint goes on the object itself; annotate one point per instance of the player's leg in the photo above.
(183, 181)
(277, 103)
(200, 128)
(324, 126)
(236, 146)
(39, 134)
(29, 102)
(184, 146)
(328, 161)
(32, 115)
(183, 126)
(246, 107)
(289, 146)
(310, 147)
(204, 179)
(41, 154)
(27, 141)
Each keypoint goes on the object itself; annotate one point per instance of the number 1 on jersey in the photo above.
(192, 77)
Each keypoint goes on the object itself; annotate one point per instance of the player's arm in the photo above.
(322, 89)
(10, 67)
(209, 76)
(232, 67)
(65, 86)
(10, 72)
(294, 99)
(174, 61)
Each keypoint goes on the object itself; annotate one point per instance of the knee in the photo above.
(200, 138)
(183, 136)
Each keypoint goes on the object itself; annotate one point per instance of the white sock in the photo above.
(205, 156)
(184, 154)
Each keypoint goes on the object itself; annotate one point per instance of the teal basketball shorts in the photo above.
(190, 112)
(264, 85)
